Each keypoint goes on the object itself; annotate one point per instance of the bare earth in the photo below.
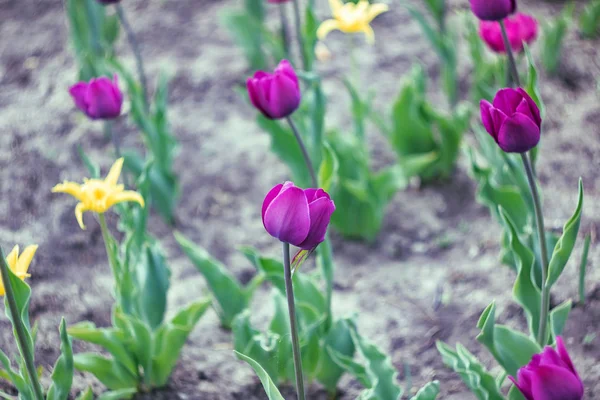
(431, 235)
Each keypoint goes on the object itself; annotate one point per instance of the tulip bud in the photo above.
(101, 98)
(296, 216)
(519, 28)
(493, 10)
(276, 95)
(550, 375)
(513, 120)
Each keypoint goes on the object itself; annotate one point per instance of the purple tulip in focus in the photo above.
(100, 98)
(513, 120)
(493, 10)
(296, 216)
(519, 28)
(276, 95)
(550, 376)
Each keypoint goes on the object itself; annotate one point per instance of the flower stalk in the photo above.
(135, 47)
(289, 291)
(24, 345)
(309, 165)
(300, 36)
(537, 205)
(284, 30)
(106, 237)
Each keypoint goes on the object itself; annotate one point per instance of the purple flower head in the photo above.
(519, 28)
(276, 95)
(493, 10)
(513, 120)
(100, 98)
(550, 376)
(296, 216)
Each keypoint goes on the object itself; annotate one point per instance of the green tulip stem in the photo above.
(24, 344)
(309, 165)
(543, 250)
(135, 47)
(284, 30)
(94, 28)
(109, 133)
(511, 58)
(107, 238)
(289, 291)
(582, 268)
(299, 34)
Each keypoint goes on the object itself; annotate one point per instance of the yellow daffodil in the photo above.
(352, 18)
(99, 195)
(19, 264)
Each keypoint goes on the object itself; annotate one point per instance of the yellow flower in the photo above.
(352, 18)
(19, 264)
(99, 195)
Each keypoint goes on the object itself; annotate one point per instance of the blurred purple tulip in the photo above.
(278, 1)
(109, 1)
(493, 10)
(550, 375)
(296, 216)
(513, 120)
(519, 28)
(276, 95)
(100, 98)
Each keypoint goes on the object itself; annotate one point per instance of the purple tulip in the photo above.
(296, 216)
(276, 95)
(109, 1)
(493, 10)
(519, 28)
(550, 376)
(101, 98)
(513, 120)
(278, 1)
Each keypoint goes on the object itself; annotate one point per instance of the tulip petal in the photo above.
(550, 357)
(287, 218)
(326, 27)
(375, 10)
(320, 215)
(269, 198)
(533, 107)
(507, 100)
(25, 260)
(78, 93)
(368, 31)
(486, 119)
(564, 354)
(125, 196)
(524, 382)
(284, 96)
(115, 172)
(79, 210)
(518, 134)
(550, 382)
(12, 258)
(335, 6)
(72, 188)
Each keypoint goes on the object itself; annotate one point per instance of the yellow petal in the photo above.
(115, 172)
(362, 7)
(120, 197)
(79, 210)
(72, 188)
(375, 10)
(24, 261)
(369, 33)
(13, 258)
(1, 289)
(326, 27)
(335, 6)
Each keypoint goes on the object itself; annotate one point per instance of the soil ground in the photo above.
(432, 235)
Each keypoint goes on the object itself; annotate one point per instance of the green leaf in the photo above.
(138, 339)
(62, 374)
(87, 394)
(110, 372)
(525, 291)
(170, 339)
(558, 317)
(231, 299)
(153, 283)
(532, 85)
(356, 369)
(564, 246)
(246, 31)
(553, 34)
(589, 19)
(111, 339)
(379, 368)
(428, 392)
(263, 348)
(121, 394)
(328, 171)
(510, 348)
(472, 372)
(270, 388)
(15, 377)
(110, 29)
